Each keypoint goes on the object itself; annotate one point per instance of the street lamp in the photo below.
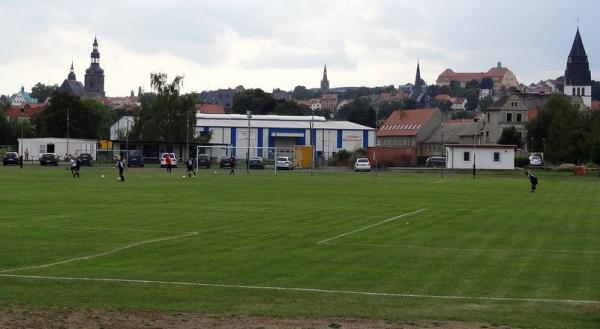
(249, 115)
(312, 148)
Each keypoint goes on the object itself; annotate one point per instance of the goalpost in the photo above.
(218, 156)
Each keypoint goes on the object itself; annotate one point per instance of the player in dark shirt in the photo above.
(532, 179)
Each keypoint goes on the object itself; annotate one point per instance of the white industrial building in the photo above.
(487, 156)
(61, 146)
(285, 132)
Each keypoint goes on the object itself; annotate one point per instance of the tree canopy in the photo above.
(42, 92)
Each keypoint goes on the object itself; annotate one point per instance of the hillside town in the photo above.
(395, 125)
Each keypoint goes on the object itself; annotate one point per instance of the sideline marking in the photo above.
(524, 251)
(372, 225)
(14, 225)
(314, 290)
(129, 246)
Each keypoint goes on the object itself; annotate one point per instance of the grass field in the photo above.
(404, 247)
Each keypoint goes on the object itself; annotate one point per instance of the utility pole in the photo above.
(68, 128)
(249, 114)
(375, 148)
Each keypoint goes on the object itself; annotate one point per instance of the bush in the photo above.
(521, 162)
(342, 157)
(591, 165)
(566, 167)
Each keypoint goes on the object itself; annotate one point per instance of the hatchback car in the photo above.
(284, 163)
(48, 159)
(225, 162)
(86, 159)
(163, 160)
(436, 161)
(10, 158)
(203, 161)
(362, 164)
(256, 163)
(536, 161)
(135, 158)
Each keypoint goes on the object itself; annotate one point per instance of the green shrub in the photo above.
(521, 162)
(591, 165)
(566, 167)
(342, 158)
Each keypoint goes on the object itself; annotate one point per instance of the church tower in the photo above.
(578, 79)
(418, 81)
(94, 75)
(324, 81)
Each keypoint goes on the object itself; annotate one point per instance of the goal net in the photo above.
(249, 158)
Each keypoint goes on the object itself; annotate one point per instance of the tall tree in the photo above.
(487, 83)
(42, 92)
(510, 136)
(255, 100)
(165, 113)
(300, 92)
(473, 84)
(359, 111)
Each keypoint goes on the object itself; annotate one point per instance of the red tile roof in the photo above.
(449, 75)
(595, 105)
(210, 108)
(532, 114)
(405, 122)
(26, 111)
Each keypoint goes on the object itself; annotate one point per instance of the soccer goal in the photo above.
(248, 158)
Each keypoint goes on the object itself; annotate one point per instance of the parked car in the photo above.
(135, 158)
(285, 163)
(203, 161)
(362, 164)
(163, 160)
(10, 158)
(48, 159)
(225, 162)
(86, 159)
(256, 163)
(536, 161)
(436, 161)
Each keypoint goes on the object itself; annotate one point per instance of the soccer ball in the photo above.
(215, 171)
(102, 176)
(182, 176)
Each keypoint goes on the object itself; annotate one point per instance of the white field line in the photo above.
(372, 225)
(14, 225)
(441, 181)
(129, 246)
(311, 290)
(524, 251)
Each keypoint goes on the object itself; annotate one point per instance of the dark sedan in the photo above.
(85, 159)
(203, 161)
(225, 162)
(10, 158)
(48, 159)
(256, 163)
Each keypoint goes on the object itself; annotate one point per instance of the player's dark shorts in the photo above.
(190, 168)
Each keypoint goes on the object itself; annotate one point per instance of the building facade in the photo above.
(578, 78)
(485, 156)
(501, 76)
(324, 81)
(262, 132)
(22, 98)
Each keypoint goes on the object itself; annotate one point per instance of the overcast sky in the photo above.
(283, 43)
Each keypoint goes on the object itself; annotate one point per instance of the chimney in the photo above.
(499, 65)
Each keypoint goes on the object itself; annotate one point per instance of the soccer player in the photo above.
(190, 168)
(168, 163)
(77, 167)
(121, 167)
(73, 167)
(232, 165)
(532, 179)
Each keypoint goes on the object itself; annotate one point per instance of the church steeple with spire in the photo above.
(325, 81)
(72, 75)
(94, 75)
(578, 78)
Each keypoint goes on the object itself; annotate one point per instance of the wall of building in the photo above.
(484, 157)
(585, 92)
(393, 156)
(36, 146)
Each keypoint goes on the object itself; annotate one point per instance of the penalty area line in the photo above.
(372, 225)
(310, 290)
(112, 251)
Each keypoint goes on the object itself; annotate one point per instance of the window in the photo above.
(518, 117)
(583, 91)
(467, 156)
(488, 117)
(508, 117)
(578, 92)
(573, 91)
(496, 156)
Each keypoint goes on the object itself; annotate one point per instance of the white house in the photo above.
(486, 156)
(285, 132)
(61, 146)
(121, 128)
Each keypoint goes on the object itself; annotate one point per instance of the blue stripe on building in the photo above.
(260, 142)
(339, 139)
(205, 129)
(233, 139)
(313, 137)
(365, 139)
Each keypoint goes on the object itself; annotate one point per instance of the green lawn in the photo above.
(480, 250)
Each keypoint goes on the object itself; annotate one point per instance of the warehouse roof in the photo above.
(274, 121)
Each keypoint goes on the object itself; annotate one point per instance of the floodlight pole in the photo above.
(312, 149)
(127, 142)
(68, 128)
(474, 151)
(443, 151)
(375, 148)
(21, 151)
(249, 114)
